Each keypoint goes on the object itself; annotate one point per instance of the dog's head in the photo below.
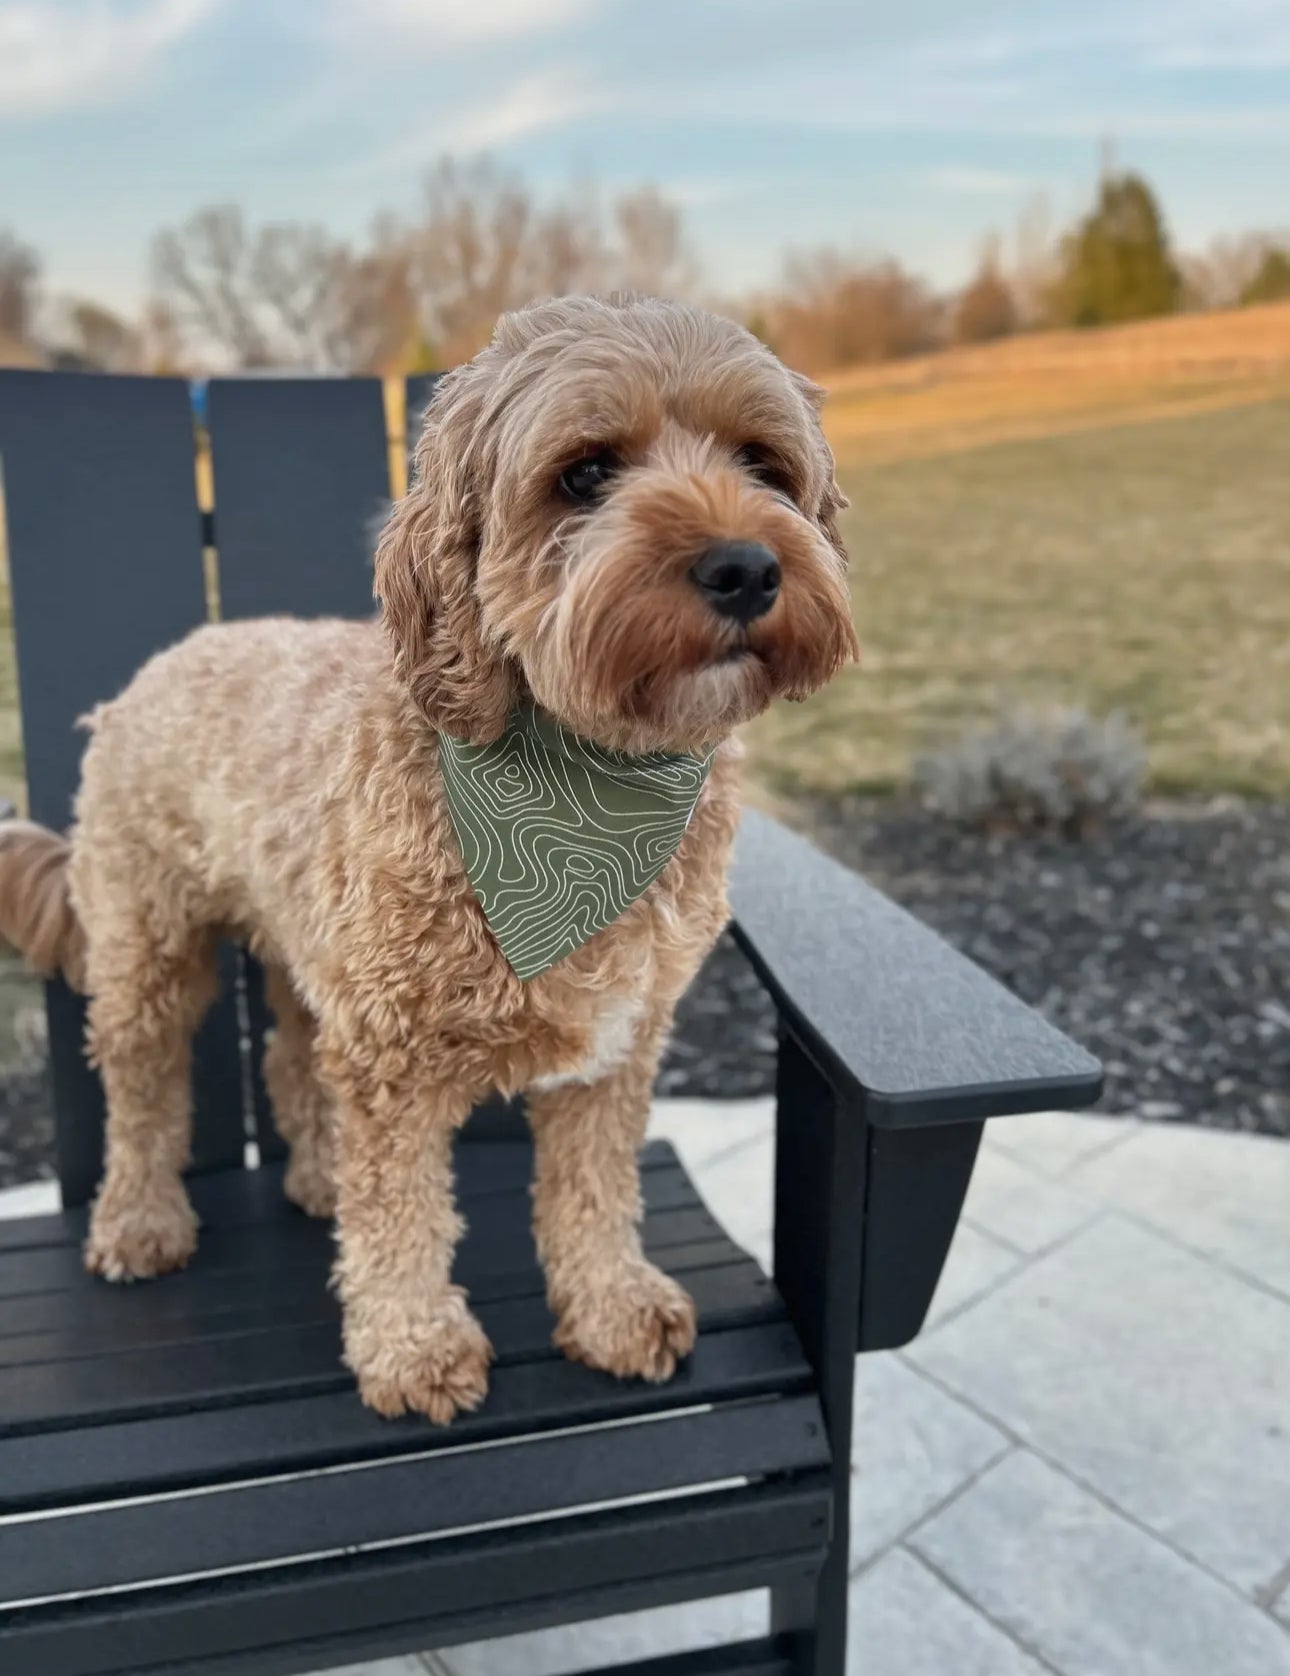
(626, 511)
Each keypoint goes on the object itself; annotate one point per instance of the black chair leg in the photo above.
(820, 1153)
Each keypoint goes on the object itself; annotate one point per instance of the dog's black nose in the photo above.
(740, 579)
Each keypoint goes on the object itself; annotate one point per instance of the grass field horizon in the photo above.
(1057, 383)
(1096, 518)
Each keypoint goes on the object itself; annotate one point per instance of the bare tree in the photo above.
(286, 294)
(19, 274)
(1225, 274)
(467, 254)
(1034, 266)
(161, 343)
(290, 294)
(371, 317)
(651, 250)
(570, 250)
(985, 309)
(204, 270)
(484, 245)
(837, 311)
(331, 308)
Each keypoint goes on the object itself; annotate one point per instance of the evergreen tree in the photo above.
(1271, 281)
(1117, 264)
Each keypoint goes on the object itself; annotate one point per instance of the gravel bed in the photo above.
(1163, 946)
(26, 1125)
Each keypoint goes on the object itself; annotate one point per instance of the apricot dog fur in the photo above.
(277, 781)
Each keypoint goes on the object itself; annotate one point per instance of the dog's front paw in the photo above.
(141, 1234)
(636, 1323)
(436, 1365)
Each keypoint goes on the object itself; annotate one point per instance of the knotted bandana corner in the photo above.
(558, 835)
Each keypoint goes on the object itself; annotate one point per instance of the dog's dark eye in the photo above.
(760, 463)
(587, 479)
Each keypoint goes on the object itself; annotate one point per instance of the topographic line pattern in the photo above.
(559, 835)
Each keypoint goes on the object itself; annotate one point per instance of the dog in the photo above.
(623, 513)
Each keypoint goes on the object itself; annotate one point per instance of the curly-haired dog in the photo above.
(623, 513)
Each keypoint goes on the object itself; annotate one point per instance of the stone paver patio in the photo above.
(1083, 1465)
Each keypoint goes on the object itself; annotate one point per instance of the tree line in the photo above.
(424, 292)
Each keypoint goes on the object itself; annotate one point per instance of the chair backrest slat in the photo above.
(106, 569)
(301, 478)
(301, 471)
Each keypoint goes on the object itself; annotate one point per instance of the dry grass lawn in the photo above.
(1136, 566)
(1051, 383)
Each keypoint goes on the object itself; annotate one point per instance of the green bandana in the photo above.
(558, 835)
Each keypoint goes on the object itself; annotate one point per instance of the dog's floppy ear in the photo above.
(833, 500)
(426, 563)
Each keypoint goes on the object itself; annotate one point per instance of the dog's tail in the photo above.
(36, 912)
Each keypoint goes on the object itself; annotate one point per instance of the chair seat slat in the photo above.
(437, 1594)
(257, 1523)
(131, 1457)
(238, 1199)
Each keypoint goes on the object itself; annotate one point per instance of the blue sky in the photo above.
(905, 125)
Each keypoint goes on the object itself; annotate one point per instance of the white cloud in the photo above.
(547, 99)
(1242, 35)
(531, 105)
(893, 97)
(57, 58)
(1269, 52)
(436, 27)
(975, 183)
(707, 190)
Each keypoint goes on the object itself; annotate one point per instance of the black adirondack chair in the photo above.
(188, 1482)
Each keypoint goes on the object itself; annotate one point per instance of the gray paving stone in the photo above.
(905, 1622)
(1089, 1591)
(1149, 1373)
(762, 1247)
(634, 1635)
(914, 1446)
(1225, 1195)
(701, 1129)
(37, 1198)
(740, 1189)
(1054, 1142)
(976, 1264)
(1021, 1208)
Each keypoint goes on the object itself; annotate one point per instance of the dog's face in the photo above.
(627, 512)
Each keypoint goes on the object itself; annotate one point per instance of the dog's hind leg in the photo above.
(302, 1107)
(151, 981)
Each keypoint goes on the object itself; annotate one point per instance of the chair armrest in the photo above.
(889, 1011)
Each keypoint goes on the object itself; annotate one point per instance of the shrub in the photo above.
(1035, 770)
(986, 308)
